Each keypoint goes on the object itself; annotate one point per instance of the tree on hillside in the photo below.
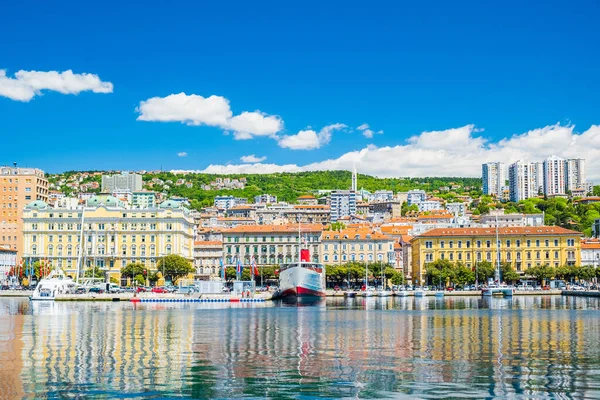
(174, 267)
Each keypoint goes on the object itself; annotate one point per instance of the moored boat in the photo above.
(302, 279)
(54, 284)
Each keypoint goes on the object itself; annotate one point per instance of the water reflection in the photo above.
(362, 347)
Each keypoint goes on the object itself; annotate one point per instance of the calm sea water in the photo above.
(529, 347)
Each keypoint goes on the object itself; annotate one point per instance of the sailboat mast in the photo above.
(80, 244)
(497, 252)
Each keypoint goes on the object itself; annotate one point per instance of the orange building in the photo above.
(18, 187)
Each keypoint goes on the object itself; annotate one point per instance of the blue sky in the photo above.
(457, 77)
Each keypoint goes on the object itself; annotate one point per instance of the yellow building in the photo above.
(113, 236)
(523, 247)
(357, 244)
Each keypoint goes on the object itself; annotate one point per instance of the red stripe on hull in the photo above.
(302, 292)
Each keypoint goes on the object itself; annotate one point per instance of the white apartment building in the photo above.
(415, 196)
(380, 196)
(429, 205)
(575, 174)
(343, 204)
(524, 180)
(493, 176)
(554, 176)
(457, 209)
(265, 199)
(123, 181)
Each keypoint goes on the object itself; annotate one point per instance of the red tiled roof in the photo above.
(527, 230)
(209, 243)
(275, 228)
(352, 233)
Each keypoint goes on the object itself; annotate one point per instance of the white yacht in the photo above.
(54, 284)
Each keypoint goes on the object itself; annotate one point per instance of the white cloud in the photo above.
(249, 124)
(182, 154)
(215, 111)
(191, 110)
(453, 152)
(252, 159)
(367, 132)
(309, 139)
(211, 111)
(28, 84)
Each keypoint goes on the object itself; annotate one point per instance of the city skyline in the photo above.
(280, 100)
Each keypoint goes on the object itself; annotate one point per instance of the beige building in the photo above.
(357, 244)
(270, 244)
(18, 187)
(113, 236)
(207, 257)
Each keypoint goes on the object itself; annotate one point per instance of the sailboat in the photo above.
(367, 292)
(383, 292)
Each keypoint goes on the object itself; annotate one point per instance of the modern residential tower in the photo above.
(493, 176)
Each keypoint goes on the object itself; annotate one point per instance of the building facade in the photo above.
(265, 199)
(415, 196)
(122, 181)
(525, 180)
(575, 174)
(18, 187)
(590, 252)
(207, 258)
(8, 260)
(143, 199)
(554, 176)
(270, 244)
(493, 177)
(357, 244)
(522, 247)
(343, 204)
(113, 236)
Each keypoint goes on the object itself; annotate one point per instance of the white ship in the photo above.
(54, 284)
(303, 279)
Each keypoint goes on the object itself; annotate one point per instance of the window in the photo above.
(537, 255)
(34, 249)
(442, 244)
(547, 242)
(556, 254)
(124, 250)
(479, 243)
(529, 243)
(428, 245)
(556, 242)
(488, 244)
(518, 243)
(468, 244)
(460, 244)
(570, 242)
(508, 243)
(451, 244)
(168, 248)
(537, 243)
(451, 256)
(508, 256)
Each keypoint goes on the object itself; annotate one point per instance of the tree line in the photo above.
(445, 272)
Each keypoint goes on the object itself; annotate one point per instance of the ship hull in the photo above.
(302, 282)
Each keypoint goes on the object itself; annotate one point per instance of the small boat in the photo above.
(401, 293)
(54, 284)
(350, 294)
(439, 293)
(419, 293)
(383, 293)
